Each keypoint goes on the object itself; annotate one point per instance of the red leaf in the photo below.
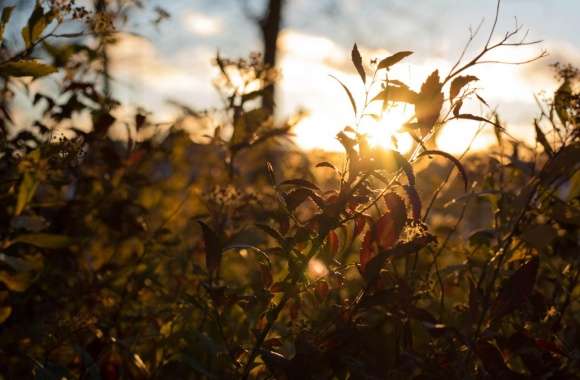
(366, 251)
(398, 210)
(332, 242)
(359, 224)
(386, 231)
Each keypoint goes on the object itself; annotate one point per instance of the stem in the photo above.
(275, 313)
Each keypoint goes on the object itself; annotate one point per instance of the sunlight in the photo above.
(316, 269)
(456, 136)
(382, 133)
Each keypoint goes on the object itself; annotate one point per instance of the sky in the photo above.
(173, 60)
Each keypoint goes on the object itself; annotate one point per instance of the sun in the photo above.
(385, 132)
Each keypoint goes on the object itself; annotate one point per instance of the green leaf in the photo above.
(26, 191)
(541, 138)
(37, 22)
(350, 97)
(458, 83)
(42, 240)
(357, 61)
(390, 61)
(4, 19)
(5, 312)
(26, 68)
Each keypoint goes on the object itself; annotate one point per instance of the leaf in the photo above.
(332, 242)
(541, 138)
(406, 166)
(326, 164)
(562, 100)
(350, 97)
(213, 248)
(539, 236)
(37, 22)
(273, 233)
(4, 19)
(374, 265)
(390, 61)
(481, 100)
(429, 103)
(359, 224)
(468, 116)
(396, 94)
(44, 240)
(357, 61)
(397, 208)
(270, 171)
(482, 237)
(26, 192)
(366, 251)
(415, 201)
(516, 290)
(458, 83)
(296, 197)
(457, 107)
(454, 160)
(5, 312)
(300, 183)
(26, 68)
(492, 359)
(386, 231)
(16, 282)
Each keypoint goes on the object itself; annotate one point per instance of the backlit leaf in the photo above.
(26, 68)
(299, 183)
(4, 19)
(454, 160)
(350, 97)
(358, 64)
(458, 83)
(541, 138)
(44, 240)
(390, 61)
(429, 103)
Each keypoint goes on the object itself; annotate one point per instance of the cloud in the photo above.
(202, 24)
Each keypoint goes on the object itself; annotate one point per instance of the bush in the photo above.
(159, 257)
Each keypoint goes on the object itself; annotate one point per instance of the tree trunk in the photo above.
(270, 27)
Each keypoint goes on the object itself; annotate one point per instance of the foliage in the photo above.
(160, 257)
